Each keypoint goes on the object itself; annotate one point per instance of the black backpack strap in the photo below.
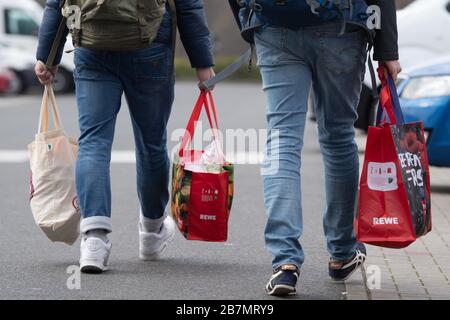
(57, 41)
(173, 15)
(56, 44)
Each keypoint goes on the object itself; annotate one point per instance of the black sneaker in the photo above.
(341, 271)
(283, 281)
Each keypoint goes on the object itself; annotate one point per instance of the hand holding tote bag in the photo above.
(52, 156)
(202, 195)
(394, 200)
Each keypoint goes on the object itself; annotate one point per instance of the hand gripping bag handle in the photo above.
(389, 101)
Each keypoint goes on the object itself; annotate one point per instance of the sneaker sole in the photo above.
(92, 267)
(282, 290)
(347, 277)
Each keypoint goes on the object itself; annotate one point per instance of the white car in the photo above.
(423, 35)
(19, 23)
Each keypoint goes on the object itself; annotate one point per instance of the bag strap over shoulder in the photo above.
(173, 16)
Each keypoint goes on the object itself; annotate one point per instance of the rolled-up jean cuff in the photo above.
(97, 222)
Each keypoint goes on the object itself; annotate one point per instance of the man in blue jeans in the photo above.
(301, 45)
(146, 78)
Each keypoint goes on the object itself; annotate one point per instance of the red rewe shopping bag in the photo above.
(202, 187)
(394, 207)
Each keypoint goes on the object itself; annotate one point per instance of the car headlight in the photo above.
(427, 87)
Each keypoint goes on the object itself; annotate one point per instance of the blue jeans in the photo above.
(290, 63)
(101, 77)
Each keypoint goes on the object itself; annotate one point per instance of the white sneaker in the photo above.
(152, 245)
(94, 255)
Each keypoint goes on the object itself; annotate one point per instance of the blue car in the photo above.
(425, 96)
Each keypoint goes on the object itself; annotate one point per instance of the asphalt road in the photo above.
(32, 267)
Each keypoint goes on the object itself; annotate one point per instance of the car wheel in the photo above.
(17, 84)
(63, 82)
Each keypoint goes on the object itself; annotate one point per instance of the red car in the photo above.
(5, 80)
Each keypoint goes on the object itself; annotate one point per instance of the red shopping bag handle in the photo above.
(204, 100)
(389, 101)
(190, 127)
(217, 141)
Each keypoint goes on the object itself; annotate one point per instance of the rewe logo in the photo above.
(378, 221)
(207, 217)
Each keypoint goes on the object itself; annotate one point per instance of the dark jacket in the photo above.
(192, 26)
(386, 39)
(385, 42)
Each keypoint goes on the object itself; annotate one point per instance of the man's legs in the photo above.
(339, 64)
(286, 82)
(149, 89)
(99, 94)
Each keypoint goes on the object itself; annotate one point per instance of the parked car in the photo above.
(425, 96)
(423, 35)
(19, 23)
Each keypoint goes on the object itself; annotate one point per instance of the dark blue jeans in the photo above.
(101, 78)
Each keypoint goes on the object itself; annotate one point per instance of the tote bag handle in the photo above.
(44, 113)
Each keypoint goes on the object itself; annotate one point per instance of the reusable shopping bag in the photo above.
(52, 156)
(394, 200)
(202, 182)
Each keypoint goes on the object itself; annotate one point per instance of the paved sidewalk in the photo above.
(420, 271)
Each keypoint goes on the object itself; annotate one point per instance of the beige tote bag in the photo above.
(53, 197)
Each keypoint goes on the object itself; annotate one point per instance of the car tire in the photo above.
(63, 82)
